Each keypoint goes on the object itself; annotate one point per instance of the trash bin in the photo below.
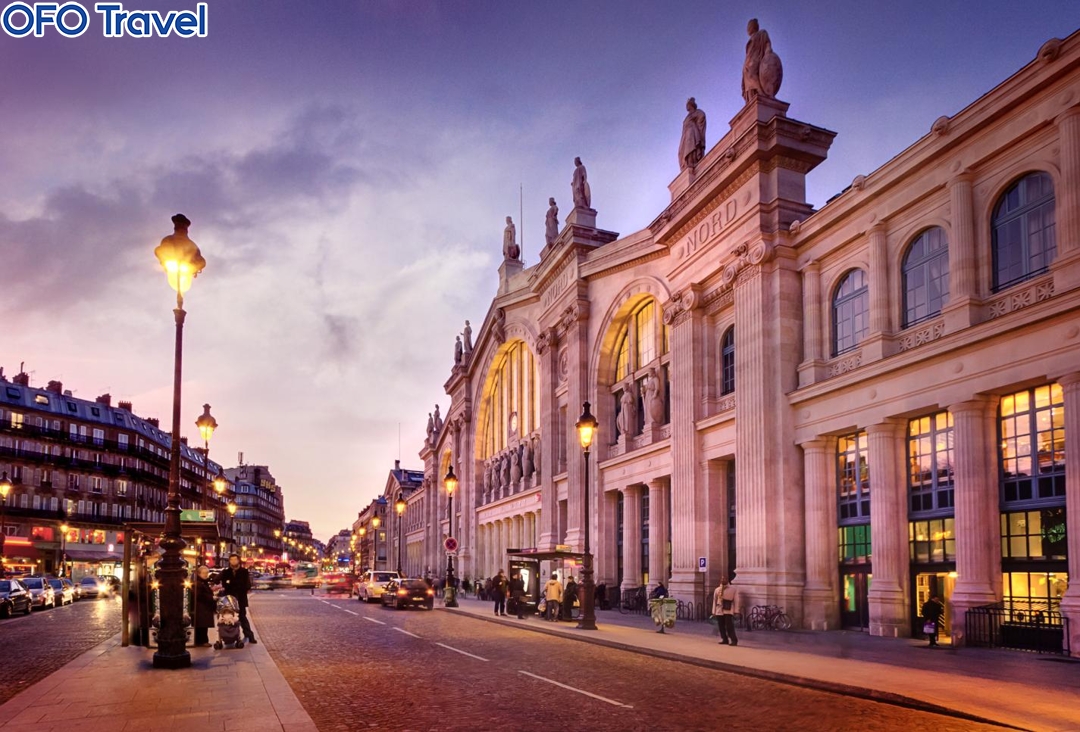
(663, 611)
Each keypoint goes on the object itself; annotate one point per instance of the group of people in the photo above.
(234, 580)
(558, 600)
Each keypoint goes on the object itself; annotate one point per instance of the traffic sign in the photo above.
(702, 564)
(450, 545)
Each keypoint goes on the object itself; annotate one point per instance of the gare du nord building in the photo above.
(852, 409)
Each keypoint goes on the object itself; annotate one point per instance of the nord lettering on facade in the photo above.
(707, 230)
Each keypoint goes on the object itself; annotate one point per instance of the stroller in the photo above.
(228, 623)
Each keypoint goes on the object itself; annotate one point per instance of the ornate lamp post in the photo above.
(450, 591)
(399, 506)
(586, 427)
(63, 549)
(180, 258)
(363, 542)
(206, 424)
(375, 553)
(5, 489)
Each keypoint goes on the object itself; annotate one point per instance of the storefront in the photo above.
(933, 571)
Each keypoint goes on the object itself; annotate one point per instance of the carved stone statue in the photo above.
(515, 466)
(627, 419)
(487, 480)
(458, 352)
(510, 248)
(536, 455)
(762, 72)
(498, 328)
(430, 428)
(551, 223)
(692, 144)
(467, 334)
(527, 467)
(579, 186)
(654, 397)
(438, 420)
(506, 471)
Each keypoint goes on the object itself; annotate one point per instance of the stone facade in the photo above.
(891, 339)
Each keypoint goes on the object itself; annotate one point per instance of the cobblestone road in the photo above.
(32, 647)
(356, 666)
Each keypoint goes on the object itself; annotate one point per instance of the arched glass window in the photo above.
(513, 399)
(1024, 240)
(850, 312)
(642, 347)
(926, 276)
(727, 361)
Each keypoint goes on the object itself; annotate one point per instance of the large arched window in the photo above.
(513, 400)
(850, 312)
(642, 349)
(727, 361)
(926, 276)
(1023, 233)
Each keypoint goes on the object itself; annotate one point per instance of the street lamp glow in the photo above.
(450, 481)
(232, 509)
(206, 423)
(363, 531)
(5, 486)
(375, 521)
(399, 505)
(180, 257)
(219, 484)
(277, 533)
(587, 427)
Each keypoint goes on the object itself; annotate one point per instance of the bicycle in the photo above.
(633, 601)
(767, 617)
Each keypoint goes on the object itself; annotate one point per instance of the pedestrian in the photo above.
(600, 593)
(569, 598)
(236, 581)
(205, 605)
(932, 610)
(466, 586)
(517, 595)
(553, 594)
(499, 588)
(659, 592)
(725, 599)
(487, 589)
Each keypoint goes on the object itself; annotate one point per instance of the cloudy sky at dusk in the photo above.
(347, 167)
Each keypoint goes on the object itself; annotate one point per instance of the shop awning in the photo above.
(543, 556)
(75, 554)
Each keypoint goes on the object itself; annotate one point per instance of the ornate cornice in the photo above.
(747, 259)
(547, 340)
(714, 203)
(681, 304)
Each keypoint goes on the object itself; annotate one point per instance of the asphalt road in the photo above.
(356, 666)
(33, 646)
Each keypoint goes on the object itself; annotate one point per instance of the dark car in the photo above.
(405, 593)
(14, 598)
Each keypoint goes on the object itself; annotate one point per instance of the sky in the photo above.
(347, 167)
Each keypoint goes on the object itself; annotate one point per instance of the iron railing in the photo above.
(1026, 625)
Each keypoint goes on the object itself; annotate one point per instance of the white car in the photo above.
(371, 585)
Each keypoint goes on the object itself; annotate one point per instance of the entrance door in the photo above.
(854, 608)
(939, 585)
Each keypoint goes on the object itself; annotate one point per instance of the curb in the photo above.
(832, 687)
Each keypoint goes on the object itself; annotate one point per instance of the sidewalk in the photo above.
(1018, 689)
(110, 688)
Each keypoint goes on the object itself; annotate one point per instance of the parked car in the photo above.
(372, 584)
(403, 593)
(63, 590)
(93, 587)
(338, 582)
(41, 592)
(113, 583)
(75, 589)
(14, 598)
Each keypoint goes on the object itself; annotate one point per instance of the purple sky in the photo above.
(348, 170)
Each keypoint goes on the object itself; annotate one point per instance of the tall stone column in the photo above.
(888, 597)
(1070, 604)
(1067, 205)
(631, 543)
(606, 549)
(547, 348)
(976, 509)
(716, 522)
(963, 266)
(812, 367)
(821, 609)
(579, 389)
(658, 532)
(873, 346)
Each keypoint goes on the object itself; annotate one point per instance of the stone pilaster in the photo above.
(1070, 604)
(812, 368)
(548, 378)
(874, 345)
(1066, 266)
(631, 537)
(976, 509)
(961, 310)
(576, 320)
(658, 532)
(715, 547)
(607, 550)
(888, 597)
(821, 609)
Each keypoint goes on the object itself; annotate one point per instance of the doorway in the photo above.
(854, 605)
(934, 584)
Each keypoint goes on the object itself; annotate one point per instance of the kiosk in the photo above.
(526, 562)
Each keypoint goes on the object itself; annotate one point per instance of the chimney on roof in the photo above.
(183, 440)
(55, 387)
(126, 406)
(22, 379)
(105, 399)
(154, 421)
(397, 465)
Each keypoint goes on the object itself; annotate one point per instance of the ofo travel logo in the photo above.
(71, 20)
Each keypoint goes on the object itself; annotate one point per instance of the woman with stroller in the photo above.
(204, 606)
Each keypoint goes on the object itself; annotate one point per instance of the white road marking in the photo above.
(350, 612)
(400, 630)
(464, 653)
(580, 691)
(372, 620)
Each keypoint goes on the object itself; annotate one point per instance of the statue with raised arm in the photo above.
(467, 334)
(551, 223)
(579, 186)
(692, 144)
(762, 72)
(510, 248)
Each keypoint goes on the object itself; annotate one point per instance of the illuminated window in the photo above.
(854, 544)
(1034, 534)
(930, 465)
(513, 394)
(850, 312)
(1023, 230)
(1034, 592)
(853, 475)
(1032, 447)
(926, 276)
(932, 541)
(642, 347)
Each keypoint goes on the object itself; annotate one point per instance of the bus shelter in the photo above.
(527, 563)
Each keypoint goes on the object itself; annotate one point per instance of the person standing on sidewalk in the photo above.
(553, 596)
(517, 595)
(499, 588)
(236, 581)
(725, 597)
(205, 605)
(932, 610)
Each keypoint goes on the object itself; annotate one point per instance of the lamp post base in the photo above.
(182, 660)
(588, 592)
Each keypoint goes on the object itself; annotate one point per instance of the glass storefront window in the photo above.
(930, 469)
(1031, 427)
(854, 544)
(1034, 534)
(933, 541)
(1035, 591)
(853, 476)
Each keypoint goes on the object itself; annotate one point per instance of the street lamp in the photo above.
(587, 427)
(450, 591)
(5, 489)
(180, 258)
(375, 553)
(206, 424)
(399, 506)
(63, 549)
(363, 533)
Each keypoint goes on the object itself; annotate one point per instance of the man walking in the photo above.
(236, 581)
(932, 610)
(517, 594)
(725, 598)
(553, 596)
(499, 587)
